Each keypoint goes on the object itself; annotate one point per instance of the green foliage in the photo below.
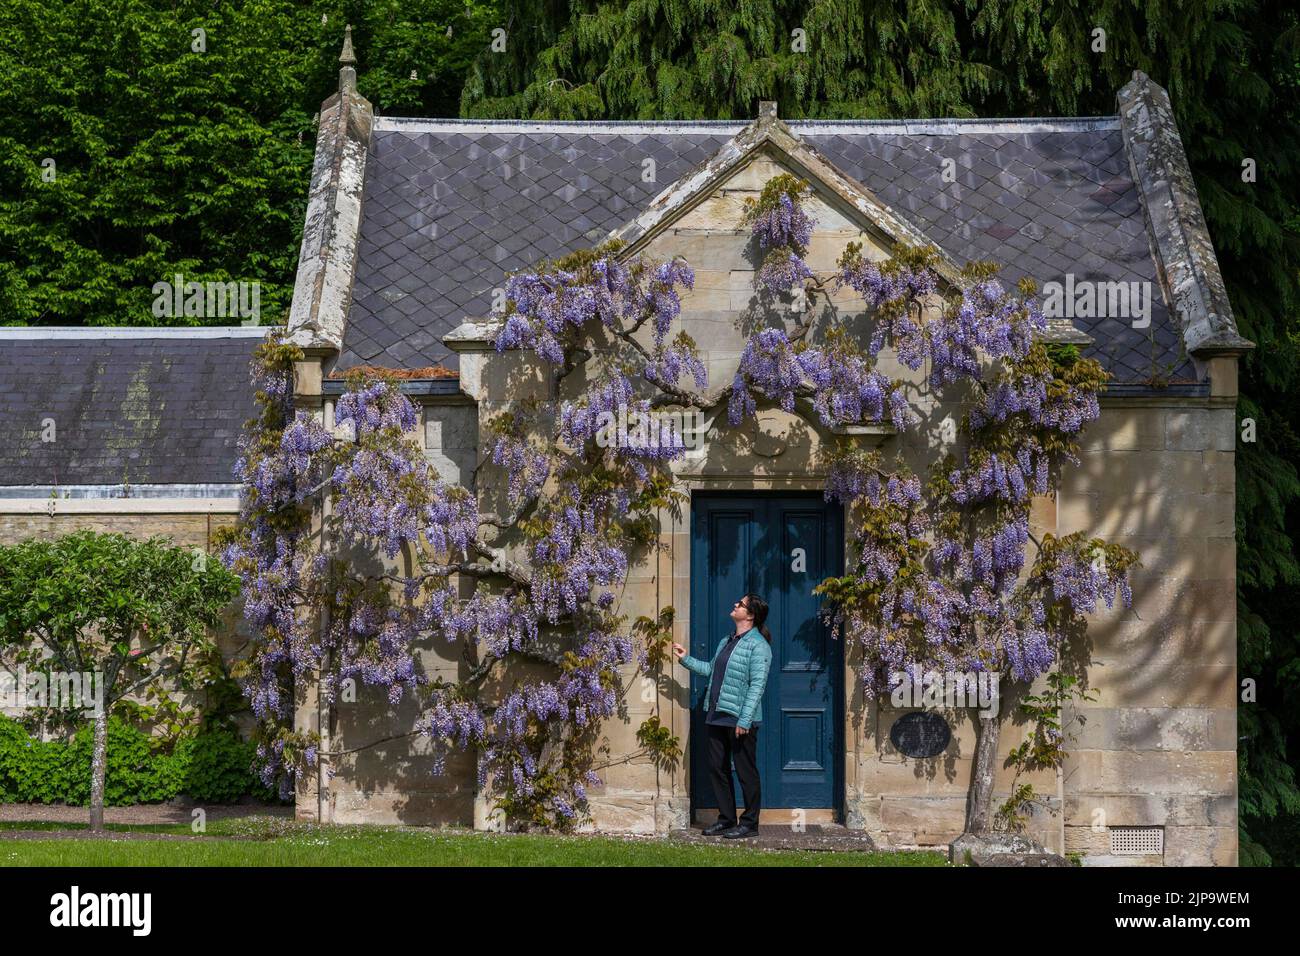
(1044, 746)
(662, 744)
(216, 767)
(135, 614)
(656, 635)
(708, 59)
(211, 766)
(170, 159)
(132, 611)
(1062, 355)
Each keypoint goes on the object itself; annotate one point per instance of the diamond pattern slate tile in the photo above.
(452, 212)
(135, 410)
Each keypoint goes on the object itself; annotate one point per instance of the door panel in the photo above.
(780, 545)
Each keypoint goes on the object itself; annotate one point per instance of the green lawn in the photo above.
(272, 842)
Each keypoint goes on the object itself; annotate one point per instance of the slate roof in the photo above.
(140, 409)
(449, 207)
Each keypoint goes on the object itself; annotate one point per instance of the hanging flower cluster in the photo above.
(841, 382)
(549, 307)
(379, 491)
(783, 229)
(279, 463)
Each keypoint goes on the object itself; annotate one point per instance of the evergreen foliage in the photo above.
(170, 159)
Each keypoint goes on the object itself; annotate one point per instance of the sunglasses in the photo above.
(741, 603)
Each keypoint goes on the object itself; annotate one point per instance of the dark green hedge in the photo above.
(212, 766)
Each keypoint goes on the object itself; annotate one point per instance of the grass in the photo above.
(175, 828)
(270, 841)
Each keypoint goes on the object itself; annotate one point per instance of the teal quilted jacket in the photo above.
(741, 694)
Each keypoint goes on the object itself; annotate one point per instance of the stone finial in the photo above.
(348, 72)
(347, 56)
(322, 291)
(766, 109)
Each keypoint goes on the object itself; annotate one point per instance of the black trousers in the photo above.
(724, 747)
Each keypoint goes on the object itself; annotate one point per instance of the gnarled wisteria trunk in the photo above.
(979, 807)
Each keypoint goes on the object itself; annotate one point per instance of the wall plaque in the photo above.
(920, 734)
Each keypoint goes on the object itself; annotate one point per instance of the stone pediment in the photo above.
(769, 135)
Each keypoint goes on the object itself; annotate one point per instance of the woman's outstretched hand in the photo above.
(679, 650)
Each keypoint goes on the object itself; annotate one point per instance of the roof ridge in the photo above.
(1188, 266)
(935, 126)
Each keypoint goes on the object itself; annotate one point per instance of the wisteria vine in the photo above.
(938, 578)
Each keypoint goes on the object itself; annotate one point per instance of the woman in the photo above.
(733, 708)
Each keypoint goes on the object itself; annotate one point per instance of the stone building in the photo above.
(129, 430)
(414, 223)
(412, 226)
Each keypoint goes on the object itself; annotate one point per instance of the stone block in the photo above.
(1186, 685)
(404, 807)
(722, 212)
(940, 818)
(1176, 772)
(620, 811)
(1223, 376)
(1143, 728)
(717, 250)
(1200, 846)
(1117, 474)
(639, 775)
(826, 248)
(1220, 471)
(1200, 429)
(1148, 809)
(1209, 515)
(1124, 429)
(1002, 849)
(307, 377)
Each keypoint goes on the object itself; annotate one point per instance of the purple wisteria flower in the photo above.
(548, 306)
(782, 271)
(782, 224)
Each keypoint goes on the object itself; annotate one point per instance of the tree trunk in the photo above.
(980, 806)
(98, 768)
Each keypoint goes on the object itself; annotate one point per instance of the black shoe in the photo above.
(740, 832)
(718, 827)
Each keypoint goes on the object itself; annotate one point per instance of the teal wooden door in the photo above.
(779, 545)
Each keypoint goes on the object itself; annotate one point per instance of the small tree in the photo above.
(126, 614)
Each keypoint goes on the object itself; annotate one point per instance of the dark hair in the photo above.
(758, 608)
